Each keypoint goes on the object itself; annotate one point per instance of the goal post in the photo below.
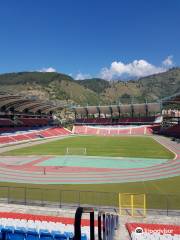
(76, 151)
(132, 204)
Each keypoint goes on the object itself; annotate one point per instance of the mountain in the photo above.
(61, 87)
(47, 86)
(161, 85)
(150, 88)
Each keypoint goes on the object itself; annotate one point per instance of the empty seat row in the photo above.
(6, 122)
(34, 121)
(173, 131)
(9, 233)
(109, 121)
(25, 136)
(33, 230)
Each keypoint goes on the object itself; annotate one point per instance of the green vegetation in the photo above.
(47, 86)
(93, 91)
(35, 77)
(95, 84)
(101, 146)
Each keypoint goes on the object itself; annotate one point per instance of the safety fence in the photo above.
(54, 197)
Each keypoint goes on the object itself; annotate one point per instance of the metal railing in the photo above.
(54, 197)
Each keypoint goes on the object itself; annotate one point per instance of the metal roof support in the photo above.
(87, 112)
(146, 108)
(98, 110)
(9, 102)
(39, 106)
(75, 114)
(119, 110)
(111, 111)
(132, 110)
(147, 112)
(25, 105)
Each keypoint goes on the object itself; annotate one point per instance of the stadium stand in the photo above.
(26, 119)
(172, 131)
(139, 231)
(33, 134)
(108, 121)
(34, 121)
(113, 130)
(113, 120)
(117, 114)
(17, 226)
(171, 116)
(6, 122)
(171, 113)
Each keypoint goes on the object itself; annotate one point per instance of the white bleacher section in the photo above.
(37, 227)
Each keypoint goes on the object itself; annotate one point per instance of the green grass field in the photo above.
(100, 146)
(98, 193)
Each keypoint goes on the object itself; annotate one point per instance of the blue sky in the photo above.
(106, 38)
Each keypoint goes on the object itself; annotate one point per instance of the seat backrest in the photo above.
(84, 236)
(46, 236)
(60, 237)
(32, 235)
(16, 235)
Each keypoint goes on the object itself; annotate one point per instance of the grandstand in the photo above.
(117, 114)
(129, 119)
(171, 116)
(23, 120)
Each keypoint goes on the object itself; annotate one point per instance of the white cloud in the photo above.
(81, 76)
(135, 69)
(168, 62)
(49, 69)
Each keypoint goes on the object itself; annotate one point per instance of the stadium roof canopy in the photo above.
(119, 109)
(172, 99)
(20, 104)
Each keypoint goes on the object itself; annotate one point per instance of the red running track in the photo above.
(29, 173)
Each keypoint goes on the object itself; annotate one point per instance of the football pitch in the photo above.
(130, 148)
(101, 146)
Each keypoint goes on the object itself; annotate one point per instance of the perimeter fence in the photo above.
(54, 197)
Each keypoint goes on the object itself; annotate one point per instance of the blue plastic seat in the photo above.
(1, 232)
(84, 236)
(16, 235)
(43, 231)
(46, 235)
(60, 236)
(69, 235)
(11, 228)
(31, 230)
(32, 235)
(55, 233)
(21, 229)
(5, 233)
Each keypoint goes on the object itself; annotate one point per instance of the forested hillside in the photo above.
(57, 86)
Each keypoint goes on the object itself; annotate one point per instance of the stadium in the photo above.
(118, 164)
